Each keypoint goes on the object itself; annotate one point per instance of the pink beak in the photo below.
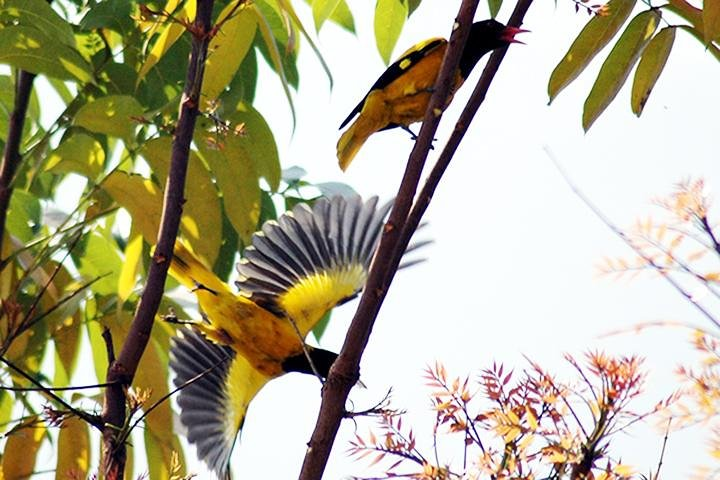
(509, 33)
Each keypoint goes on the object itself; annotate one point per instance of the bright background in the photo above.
(513, 270)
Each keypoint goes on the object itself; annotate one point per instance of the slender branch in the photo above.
(172, 392)
(11, 155)
(53, 389)
(345, 371)
(461, 127)
(122, 371)
(623, 236)
(93, 420)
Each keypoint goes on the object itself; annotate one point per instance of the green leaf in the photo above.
(101, 259)
(78, 153)
(322, 10)
(38, 52)
(24, 215)
(73, 449)
(170, 32)
(596, 34)
(494, 6)
(321, 325)
(112, 115)
(343, 17)
(130, 266)
(37, 14)
(111, 14)
(236, 177)
(711, 20)
(412, 6)
(689, 12)
(390, 18)
(259, 142)
(269, 41)
(290, 12)
(227, 50)
(617, 66)
(651, 65)
(140, 197)
(201, 223)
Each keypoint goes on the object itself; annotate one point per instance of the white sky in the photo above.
(512, 270)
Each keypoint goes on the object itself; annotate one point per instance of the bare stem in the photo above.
(11, 155)
(122, 371)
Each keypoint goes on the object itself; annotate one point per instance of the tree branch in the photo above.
(461, 127)
(345, 371)
(122, 371)
(11, 155)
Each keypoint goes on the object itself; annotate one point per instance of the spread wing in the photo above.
(395, 70)
(217, 385)
(312, 259)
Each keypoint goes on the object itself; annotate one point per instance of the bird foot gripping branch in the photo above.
(297, 269)
(401, 95)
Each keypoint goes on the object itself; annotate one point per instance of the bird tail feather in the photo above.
(188, 269)
(349, 145)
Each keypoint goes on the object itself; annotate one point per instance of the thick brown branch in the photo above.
(122, 371)
(345, 371)
(11, 155)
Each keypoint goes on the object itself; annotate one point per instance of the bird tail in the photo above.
(349, 145)
(188, 269)
(216, 387)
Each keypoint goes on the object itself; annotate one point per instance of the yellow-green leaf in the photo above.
(38, 52)
(201, 222)
(651, 65)
(73, 449)
(689, 12)
(114, 115)
(236, 177)
(593, 37)
(711, 20)
(170, 32)
(322, 10)
(228, 49)
(390, 18)
(79, 153)
(290, 12)
(37, 14)
(21, 448)
(140, 197)
(617, 66)
(131, 262)
(269, 41)
(494, 6)
(101, 260)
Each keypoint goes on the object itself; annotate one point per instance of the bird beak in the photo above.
(508, 35)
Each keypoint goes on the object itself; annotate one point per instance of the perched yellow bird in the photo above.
(400, 96)
(297, 269)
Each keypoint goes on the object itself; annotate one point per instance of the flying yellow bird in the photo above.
(297, 269)
(401, 95)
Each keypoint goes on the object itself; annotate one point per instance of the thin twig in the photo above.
(54, 389)
(11, 155)
(171, 393)
(93, 420)
(623, 236)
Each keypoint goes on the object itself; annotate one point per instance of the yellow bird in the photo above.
(297, 269)
(401, 95)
